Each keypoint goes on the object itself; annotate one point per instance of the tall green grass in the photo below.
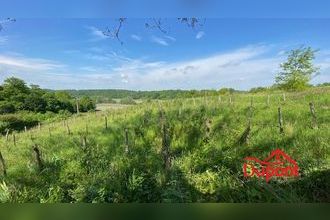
(90, 164)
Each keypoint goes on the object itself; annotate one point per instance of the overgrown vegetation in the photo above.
(25, 106)
(15, 96)
(184, 150)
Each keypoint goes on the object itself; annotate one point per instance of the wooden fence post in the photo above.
(7, 134)
(244, 138)
(4, 168)
(166, 147)
(14, 139)
(39, 126)
(268, 100)
(25, 129)
(38, 157)
(106, 122)
(312, 110)
(84, 141)
(208, 127)
(86, 128)
(284, 97)
(77, 106)
(126, 141)
(280, 120)
(68, 129)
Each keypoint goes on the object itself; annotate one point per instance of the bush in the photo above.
(13, 122)
(127, 101)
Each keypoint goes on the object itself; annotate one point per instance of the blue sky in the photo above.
(63, 53)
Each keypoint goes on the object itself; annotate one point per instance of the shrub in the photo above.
(13, 122)
(127, 101)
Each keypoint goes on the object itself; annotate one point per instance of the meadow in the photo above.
(180, 150)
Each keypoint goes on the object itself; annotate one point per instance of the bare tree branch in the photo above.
(157, 23)
(115, 32)
(192, 22)
(8, 20)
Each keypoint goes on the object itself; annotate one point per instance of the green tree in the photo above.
(35, 103)
(66, 100)
(297, 70)
(86, 104)
(53, 104)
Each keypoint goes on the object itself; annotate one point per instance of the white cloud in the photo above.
(89, 68)
(24, 63)
(3, 40)
(136, 37)
(159, 40)
(242, 68)
(96, 33)
(200, 34)
(170, 38)
(124, 78)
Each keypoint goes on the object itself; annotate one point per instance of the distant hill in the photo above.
(107, 95)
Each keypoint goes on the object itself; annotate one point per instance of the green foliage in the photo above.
(86, 104)
(107, 95)
(15, 95)
(226, 91)
(258, 89)
(6, 107)
(14, 122)
(127, 101)
(324, 84)
(298, 70)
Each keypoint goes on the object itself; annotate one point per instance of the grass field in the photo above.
(189, 150)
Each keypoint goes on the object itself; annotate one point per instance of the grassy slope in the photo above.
(206, 166)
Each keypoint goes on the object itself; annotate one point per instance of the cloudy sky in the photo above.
(63, 53)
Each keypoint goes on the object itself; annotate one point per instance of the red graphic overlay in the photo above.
(278, 164)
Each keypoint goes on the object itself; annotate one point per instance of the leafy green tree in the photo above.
(53, 104)
(15, 91)
(297, 70)
(35, 103)
(13, 86)
(66, 100)
(224, 91)
(86, 104)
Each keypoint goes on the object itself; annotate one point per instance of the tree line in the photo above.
(16, 95)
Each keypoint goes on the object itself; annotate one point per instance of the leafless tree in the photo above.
(114, 33)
